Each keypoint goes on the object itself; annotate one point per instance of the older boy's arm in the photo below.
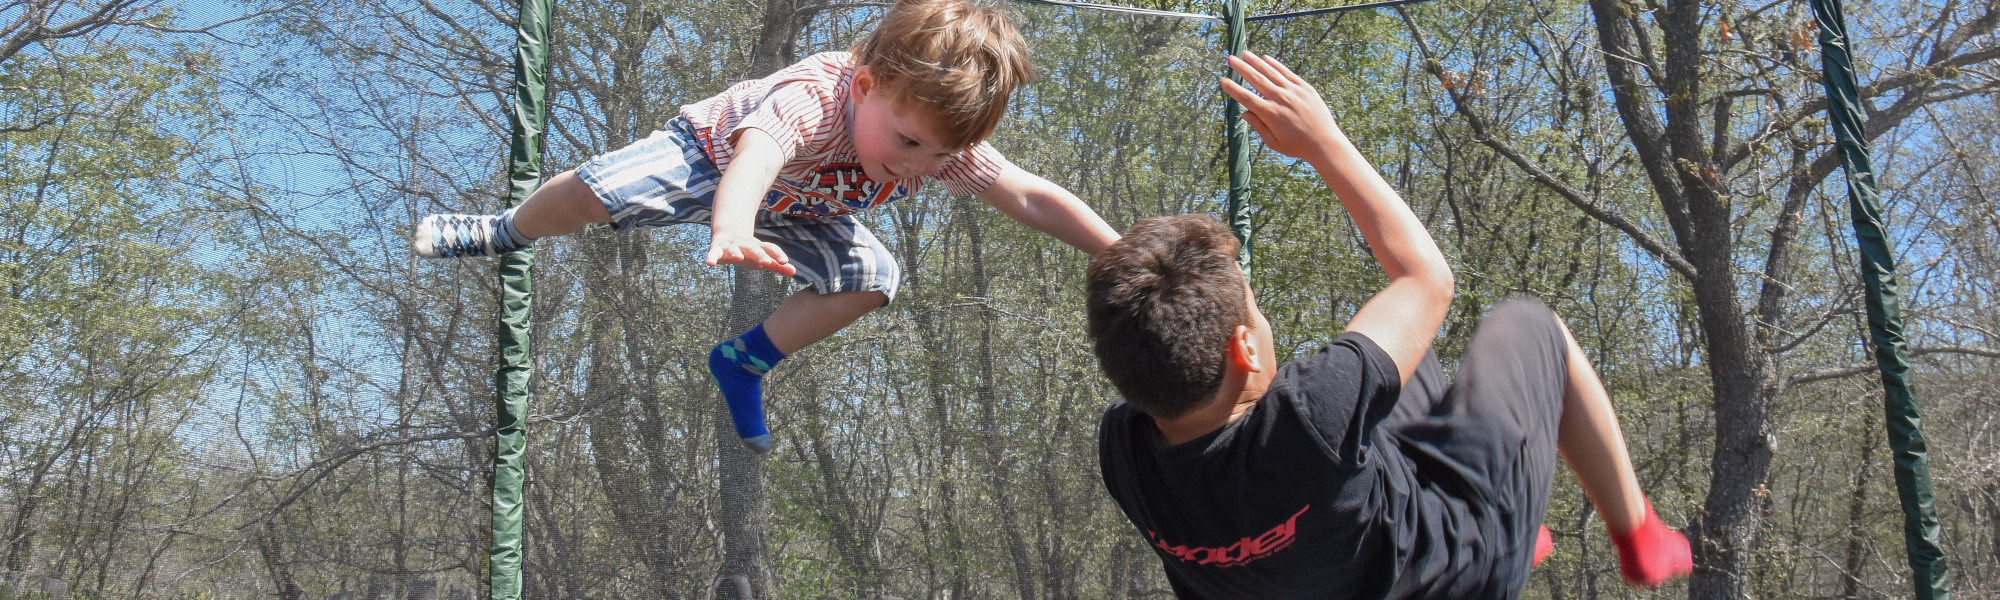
(733, 218)
(1404, 317)
(1050, 209)
(1291, 117)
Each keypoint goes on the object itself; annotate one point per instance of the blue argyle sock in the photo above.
(739, 366)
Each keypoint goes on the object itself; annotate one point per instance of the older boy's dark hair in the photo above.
(1163, 305)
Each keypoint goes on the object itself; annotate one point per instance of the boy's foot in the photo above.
(743, 390)
(1652, 554)
(739, 366)
(446, 236)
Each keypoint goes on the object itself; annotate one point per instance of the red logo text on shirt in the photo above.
(1240, 553)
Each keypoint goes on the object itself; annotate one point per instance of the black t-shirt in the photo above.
(1305, 496)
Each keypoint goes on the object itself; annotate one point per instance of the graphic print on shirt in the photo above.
(1243, 552)
(834, 188)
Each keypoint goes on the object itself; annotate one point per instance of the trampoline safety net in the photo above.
(225, 375)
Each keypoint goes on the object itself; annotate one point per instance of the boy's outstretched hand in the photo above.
(747, 250)
(1285, 110)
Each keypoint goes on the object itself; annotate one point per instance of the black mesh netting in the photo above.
(259, 390)
(223, 373)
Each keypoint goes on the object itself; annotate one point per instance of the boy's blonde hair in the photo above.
(953, 59)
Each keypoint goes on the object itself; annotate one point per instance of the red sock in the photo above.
(1543, 545)
(1652, 554)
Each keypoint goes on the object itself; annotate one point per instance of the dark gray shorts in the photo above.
(1492, 429)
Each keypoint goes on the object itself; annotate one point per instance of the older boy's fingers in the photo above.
(1273, 76)
(1236, 91)
(1288, 73)
(1251, 74)
(1292, 79)
(1257, 124)
(1252, 77)
(1245, 97)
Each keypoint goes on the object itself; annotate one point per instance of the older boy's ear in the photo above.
(1243, 351)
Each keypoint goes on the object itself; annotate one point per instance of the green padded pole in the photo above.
(1239, 141)
(510, 381)
(1878, 273)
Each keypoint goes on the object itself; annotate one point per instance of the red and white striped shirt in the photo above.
(805, 108)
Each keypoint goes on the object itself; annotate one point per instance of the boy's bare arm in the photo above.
(1048, 208)
(1404, 317)
(733, 220)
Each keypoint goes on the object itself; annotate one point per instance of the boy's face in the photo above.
(893, 143)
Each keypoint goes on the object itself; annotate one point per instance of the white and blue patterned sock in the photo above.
(510, 238)
(446, 236)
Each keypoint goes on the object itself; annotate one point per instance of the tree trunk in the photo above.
(746, 514)
(627, 411)
(1857, 510)
(999, 477)
(840, 513)
(943, 522)
(1742, 460)
(1682, 176)
(745, 509)
(272, 551)
(21, 531)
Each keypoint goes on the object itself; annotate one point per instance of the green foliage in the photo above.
(106, 329)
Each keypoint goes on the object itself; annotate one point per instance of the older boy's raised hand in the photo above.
(1403, 317)
(1285, 110)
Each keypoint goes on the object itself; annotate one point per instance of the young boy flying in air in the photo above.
(1358, 471)
(777, 167)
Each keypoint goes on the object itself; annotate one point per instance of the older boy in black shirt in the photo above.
(1359, 471)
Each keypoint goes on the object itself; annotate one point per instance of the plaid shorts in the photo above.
(667, 179)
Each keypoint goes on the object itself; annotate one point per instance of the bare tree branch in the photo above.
(34, 25)
(1842, 309)
(1791, 117)
(209, 29)
(1482, 134)
(1915, 351)
(326, 466)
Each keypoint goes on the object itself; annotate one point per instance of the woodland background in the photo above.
(223, 374)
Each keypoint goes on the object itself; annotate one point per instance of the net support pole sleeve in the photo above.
(1239, 140)
(524, 174)
(1885, 327)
